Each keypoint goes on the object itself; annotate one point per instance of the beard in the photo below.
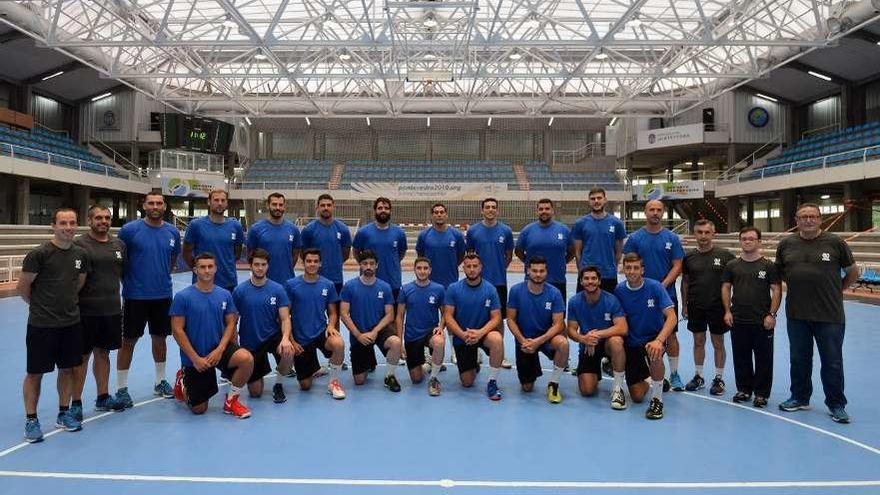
(383, 217)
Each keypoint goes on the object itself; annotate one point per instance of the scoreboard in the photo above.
(192, 133)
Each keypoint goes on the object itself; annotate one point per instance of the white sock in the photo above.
(493, 373)
(389, 368)
(719, 371)
(279, 378)
(673, 364)
(435, 368)
(121, 379)
(557, 372)
(334, 371)
(699, 369)
(160, 372)
(657, 389)
(233, 391)
(618, 380)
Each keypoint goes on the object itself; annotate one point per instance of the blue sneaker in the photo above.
(793, 404)
(164, 389)
(123, 398)
(67, 422)
(838, 415)
(32, 431)
(675, 382)
(492, 390)
(77, 412)
(108, 404)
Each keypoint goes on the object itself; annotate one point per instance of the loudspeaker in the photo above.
(709, 119)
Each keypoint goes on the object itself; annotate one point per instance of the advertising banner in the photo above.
(427, 190)
(670, 136)
(688, 189)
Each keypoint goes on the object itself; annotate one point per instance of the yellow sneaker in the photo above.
(553, 393)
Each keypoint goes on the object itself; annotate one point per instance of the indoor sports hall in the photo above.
(684, 114)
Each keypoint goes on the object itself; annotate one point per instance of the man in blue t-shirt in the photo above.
(264, 324)
(662, 255)
(203, 318)
(418, 323)
(596, 321)
(551, 240)
(279, 237)
(153, 246)
(472, 313)
(492, 240)
(216, 234)
(314, 301)
(331, 237)
(536, 321)
(386, 240)
(650, 319)
(367, 310)
(598, 240)
(443, 245)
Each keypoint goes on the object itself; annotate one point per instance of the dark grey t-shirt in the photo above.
(811, 270)
(751, 281)
(100, 295)
(703, 271)
(54, 291)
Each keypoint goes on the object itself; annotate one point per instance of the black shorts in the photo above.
(201, 386)
(528, 366)
(700, 319)
(306, 364)
(677, 317)
(637, 367)
(561, 286)
(261, 357)
(363, 357)
(137, 313)
(103, 332)
(592, 364)
(466, 355)
(502, 298)
(50, 347)
(415, 350)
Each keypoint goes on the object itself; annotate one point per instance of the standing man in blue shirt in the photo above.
(153, 246)
(443, 245)
(219, 235)
(367, 311)
(536, 321)
(651, 319)
(551, 240)
(418, 320)
(598, 240)
(472, 313)
(492, 240)
(279, 237)
(387, 241)
(264, 324)
(662, 255)
(331, 237)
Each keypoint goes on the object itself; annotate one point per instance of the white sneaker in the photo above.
(618, 400)
(335, 389)
(506, 364)
(323, 370)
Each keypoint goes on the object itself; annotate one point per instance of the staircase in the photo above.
(336, 175)
(709, 207)
(522, 178)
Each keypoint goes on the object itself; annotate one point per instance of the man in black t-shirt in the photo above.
(811, 262)
(51, 277)
(751, 311)
(701, 302)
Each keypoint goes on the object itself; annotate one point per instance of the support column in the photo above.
(131, 212)
(734, 221)
(788, 208)
(250, 211)
(859, 216)
(750, 210)
(82, 201)
(22, 201)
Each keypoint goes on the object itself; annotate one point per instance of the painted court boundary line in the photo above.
(443, 483)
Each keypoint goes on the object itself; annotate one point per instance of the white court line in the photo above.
(443, 483)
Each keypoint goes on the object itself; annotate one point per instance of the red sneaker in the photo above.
(236, 408)
(179, 389)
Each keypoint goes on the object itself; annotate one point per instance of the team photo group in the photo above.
(73, 283)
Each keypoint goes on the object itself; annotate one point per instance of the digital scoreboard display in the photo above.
(192, 133)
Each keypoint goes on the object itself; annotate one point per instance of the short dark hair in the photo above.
(367, 254)
(95, 207)
(589, 268)
(154, 192)
(311, 251)
(597, 190)
(536, 260)
(422, 259)
(631, 257)
(202, 256)
(439, 204)
(808, 205)
(487, 200)
(217, 191)
(704, 221)
(258, 253)
(750, 228)
(381, 199)
(471, 255)
(63, 209)
(275, 195)
(546, 201)
(323, 197)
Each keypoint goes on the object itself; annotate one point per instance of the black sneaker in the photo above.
(696, 383)
(666, 385)
(760, 402)
(278, 394)
(655, 409)
(392, 384)
(291, 373)
(717, 387)
(742, 397)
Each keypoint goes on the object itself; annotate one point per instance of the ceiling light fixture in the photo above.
(613, 121)
(825, 196)
(551, 121)
(308, 122)
(248, 120)
(601, 56)
(765, 97)
(53, 75)
(820, 76)
(489, 123)
(368, 122)
(344, 56)
(429, 121)
(101, 97)
(514, 56)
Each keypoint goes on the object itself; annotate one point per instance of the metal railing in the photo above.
(10, 267)
(33, 154)
(571, 157)
(704, 175)
(511, 186)
(850, 157)
(114, 156)
(820, 130)
(750, 160)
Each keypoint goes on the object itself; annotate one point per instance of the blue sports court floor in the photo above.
(376, 442)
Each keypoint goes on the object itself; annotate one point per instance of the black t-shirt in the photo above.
(703, 270)
(54, 291)
(751, 281)
(811, 270)
(100, 295)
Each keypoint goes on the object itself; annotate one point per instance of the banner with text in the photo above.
(426, 190)
(670, 136)
(189, 187)
(688, 189)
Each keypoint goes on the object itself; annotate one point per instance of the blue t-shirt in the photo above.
(258, 311)
(473, 305)
(279, 241)
(658, 251)
(534, 312)
(219, 239)
(388, 244)
(551, 242)
(423, 308)
(597, 316)
(443, 249)
(308, 307)
(644, 310)
(599, 237)
(151, 254)
(204, 313)
(492, 245)
(330, 240)
(367, 303)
